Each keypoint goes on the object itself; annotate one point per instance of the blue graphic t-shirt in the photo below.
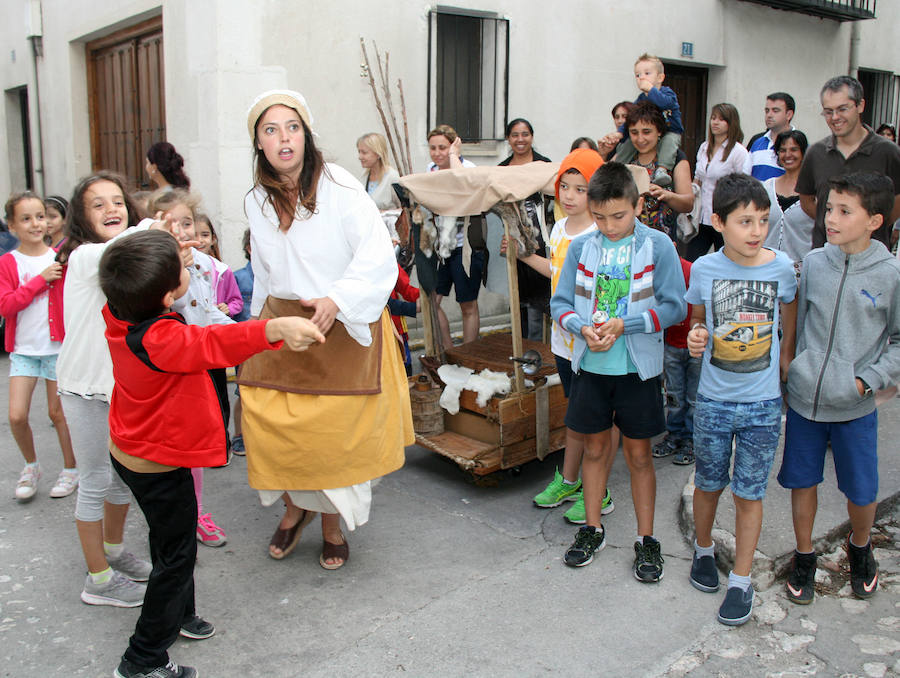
(741, 359)
(612, 282)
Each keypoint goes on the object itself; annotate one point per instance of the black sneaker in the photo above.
(648, 561)
(704, 574)
(196, 628)
(737, 606)
(801, 583)
(863, 570)
(588, 540)
(171, 670)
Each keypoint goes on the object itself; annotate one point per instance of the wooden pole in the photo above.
(385, 85)
(515, 316)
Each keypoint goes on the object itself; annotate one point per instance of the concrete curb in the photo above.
(766, 567)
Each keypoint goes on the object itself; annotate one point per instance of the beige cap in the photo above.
(285, 97)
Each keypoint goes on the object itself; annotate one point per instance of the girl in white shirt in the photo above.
(30, 295)
(719, 155)
(100, 211)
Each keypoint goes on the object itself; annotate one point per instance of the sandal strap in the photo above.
(330, 550)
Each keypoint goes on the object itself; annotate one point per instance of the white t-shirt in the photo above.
(32, 322)
(562, 341)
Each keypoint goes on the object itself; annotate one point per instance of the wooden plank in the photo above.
(523, 452)
(467, 400)
(514, 310)
(521, 429)
(492, 352)
(470, 454)
(472, 426)
(518, 406)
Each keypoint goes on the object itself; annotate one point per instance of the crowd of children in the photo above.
(146, 308)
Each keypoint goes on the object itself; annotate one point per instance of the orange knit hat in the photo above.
(585, 160)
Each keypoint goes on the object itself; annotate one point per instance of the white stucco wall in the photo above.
(567, 69)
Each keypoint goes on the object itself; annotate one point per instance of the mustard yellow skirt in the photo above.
(313, 442)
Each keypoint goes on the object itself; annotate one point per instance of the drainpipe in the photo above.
(853, 68)
(37, 50)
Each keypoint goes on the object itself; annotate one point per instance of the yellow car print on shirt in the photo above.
(740, 342)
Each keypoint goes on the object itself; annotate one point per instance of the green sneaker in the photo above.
(575, 514)
(557, 492)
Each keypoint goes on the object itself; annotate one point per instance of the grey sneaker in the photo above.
(131, 566)
(119, 591)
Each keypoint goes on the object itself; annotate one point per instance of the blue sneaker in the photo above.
(737, 606)
(704, 574)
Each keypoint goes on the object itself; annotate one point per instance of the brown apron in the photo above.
(340, 366)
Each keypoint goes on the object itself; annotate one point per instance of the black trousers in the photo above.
(706, 237)
(220, 381)
(170, 507)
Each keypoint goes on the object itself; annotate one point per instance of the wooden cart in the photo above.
(509, 430)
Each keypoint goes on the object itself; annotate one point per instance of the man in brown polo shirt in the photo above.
(851, 147)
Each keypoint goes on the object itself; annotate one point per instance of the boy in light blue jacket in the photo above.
(619, 289)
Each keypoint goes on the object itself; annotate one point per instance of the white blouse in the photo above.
(710, 171)
(341, 251)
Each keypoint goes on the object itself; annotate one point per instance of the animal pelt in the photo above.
(521, 229)
(438, 235)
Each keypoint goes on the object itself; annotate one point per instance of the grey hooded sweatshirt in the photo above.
(848, 312)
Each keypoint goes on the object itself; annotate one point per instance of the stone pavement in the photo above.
(449, 578)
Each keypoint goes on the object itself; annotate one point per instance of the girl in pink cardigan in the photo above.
(31, 286)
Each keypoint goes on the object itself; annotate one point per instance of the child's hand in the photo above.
(784, 365)
(644, 85)
(187, 258)
(614, 327)
(297, 333)
(325, 311)
(52, 272)
(697, 339)
(224, 309)
(596, 342)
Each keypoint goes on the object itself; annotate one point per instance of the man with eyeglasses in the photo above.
(852, 147)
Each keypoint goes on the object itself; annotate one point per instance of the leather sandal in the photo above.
(286, 538)
(330, 550)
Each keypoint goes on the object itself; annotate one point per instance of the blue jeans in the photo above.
(682, 376)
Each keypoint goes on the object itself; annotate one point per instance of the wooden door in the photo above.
(126, 95)
(689, 84)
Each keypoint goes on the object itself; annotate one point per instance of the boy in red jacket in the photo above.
(164, 419)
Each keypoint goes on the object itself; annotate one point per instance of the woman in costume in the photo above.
(319, 429)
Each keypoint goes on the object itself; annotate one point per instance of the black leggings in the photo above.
(706, 237)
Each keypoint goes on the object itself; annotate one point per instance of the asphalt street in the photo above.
(449, 578)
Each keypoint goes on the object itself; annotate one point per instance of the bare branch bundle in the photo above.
(384, 121)
(405, 126)
(400, 149)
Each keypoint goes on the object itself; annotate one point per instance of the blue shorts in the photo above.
(854, 445)
(754, 427)
(451, 273)
(40, 366)
(564, 370)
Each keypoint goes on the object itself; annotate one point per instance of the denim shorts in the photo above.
(40, 366)
(754, 428)
(854, 445)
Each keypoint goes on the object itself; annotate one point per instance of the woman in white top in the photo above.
(318, 430)
(719, 155)
(790, 228)
(379, 177)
